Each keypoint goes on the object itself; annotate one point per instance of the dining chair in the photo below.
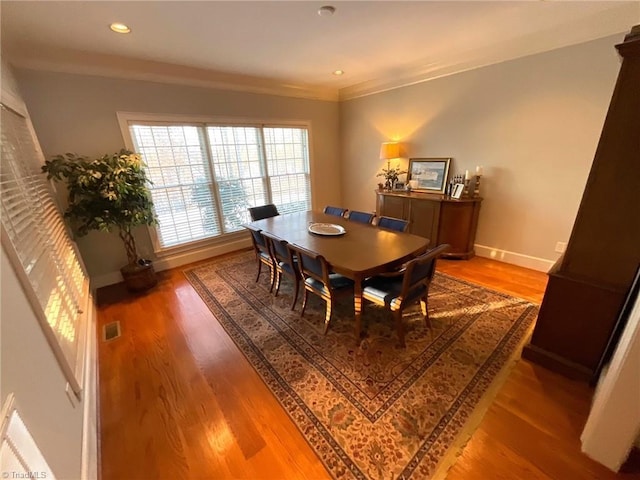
(263, 255)
(263, 211)
(360, 217)
(284, 262)
(318, 279)
(400, 289)
(336, 211)
(391, 223)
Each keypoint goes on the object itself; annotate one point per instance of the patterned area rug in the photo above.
(372, 410)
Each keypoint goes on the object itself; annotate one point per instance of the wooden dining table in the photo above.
(362, 251)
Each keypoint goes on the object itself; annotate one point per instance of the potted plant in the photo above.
(109, 194)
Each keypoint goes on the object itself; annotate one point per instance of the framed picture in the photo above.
(458, 188)
(431, 173)
(399, 186)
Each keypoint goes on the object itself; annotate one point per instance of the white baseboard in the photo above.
(179, 259)
(527, 261)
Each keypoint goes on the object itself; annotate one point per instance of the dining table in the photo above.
(353, 249)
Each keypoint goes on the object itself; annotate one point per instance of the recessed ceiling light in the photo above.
(338, 72)
(326, 11)
(119, 28)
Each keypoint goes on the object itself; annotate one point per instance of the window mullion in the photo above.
(217, 202)
(266, 179)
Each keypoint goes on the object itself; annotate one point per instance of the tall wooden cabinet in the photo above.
(588, 285)
(437, 217)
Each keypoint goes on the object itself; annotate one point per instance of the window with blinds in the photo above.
(206, 176)
(36, 239)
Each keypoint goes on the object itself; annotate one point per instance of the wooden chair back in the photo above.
(263, 211)
(360, 217)
(420, 270)
(335, 211)
(391, 223)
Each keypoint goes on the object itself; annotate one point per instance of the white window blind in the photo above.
(43, 255)
(206, 176)
(287, 153)
(239, 171)
(177, 165)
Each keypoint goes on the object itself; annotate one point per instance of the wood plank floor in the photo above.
(179, 400)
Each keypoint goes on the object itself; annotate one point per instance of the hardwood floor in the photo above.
(179, 400)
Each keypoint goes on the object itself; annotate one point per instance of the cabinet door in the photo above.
(424, 218)
(392, 206)
(458, 227)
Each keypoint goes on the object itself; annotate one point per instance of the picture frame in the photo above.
(457, 190)
(431, 173)
(399, 186)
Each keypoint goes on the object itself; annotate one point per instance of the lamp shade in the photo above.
(389, 150)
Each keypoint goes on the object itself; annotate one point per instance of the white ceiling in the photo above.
(271, 45)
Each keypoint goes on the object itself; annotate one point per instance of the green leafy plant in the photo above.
(108, 193)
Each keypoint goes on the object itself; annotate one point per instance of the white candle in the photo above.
(466, 175)
(479, 170)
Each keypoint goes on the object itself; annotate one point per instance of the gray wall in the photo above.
(533, 123)
(77, 113)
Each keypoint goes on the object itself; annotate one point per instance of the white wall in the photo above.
(533, 123)
(77, 113)
(29, 369)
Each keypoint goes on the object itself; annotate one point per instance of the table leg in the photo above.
(357, 305)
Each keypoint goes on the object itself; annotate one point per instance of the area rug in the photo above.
(370, 409)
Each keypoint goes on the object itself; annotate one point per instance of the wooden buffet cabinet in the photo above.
(437, 217)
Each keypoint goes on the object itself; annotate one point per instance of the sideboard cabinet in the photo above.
(439, 218)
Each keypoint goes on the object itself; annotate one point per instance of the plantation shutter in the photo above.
(35, 236)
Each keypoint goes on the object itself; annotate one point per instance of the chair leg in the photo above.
(425, 311)
(295, 293)
(327, 315)
(304, 301)
(272, 277)
(259, 269)
(399, 327)
(278, 279)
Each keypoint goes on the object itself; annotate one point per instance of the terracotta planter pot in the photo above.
(139, 276)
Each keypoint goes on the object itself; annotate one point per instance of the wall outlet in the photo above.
(561, 247)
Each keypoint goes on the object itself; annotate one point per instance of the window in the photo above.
(38, 245)
(206, 176)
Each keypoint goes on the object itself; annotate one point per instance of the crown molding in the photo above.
(618, 20)
(113, 66)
